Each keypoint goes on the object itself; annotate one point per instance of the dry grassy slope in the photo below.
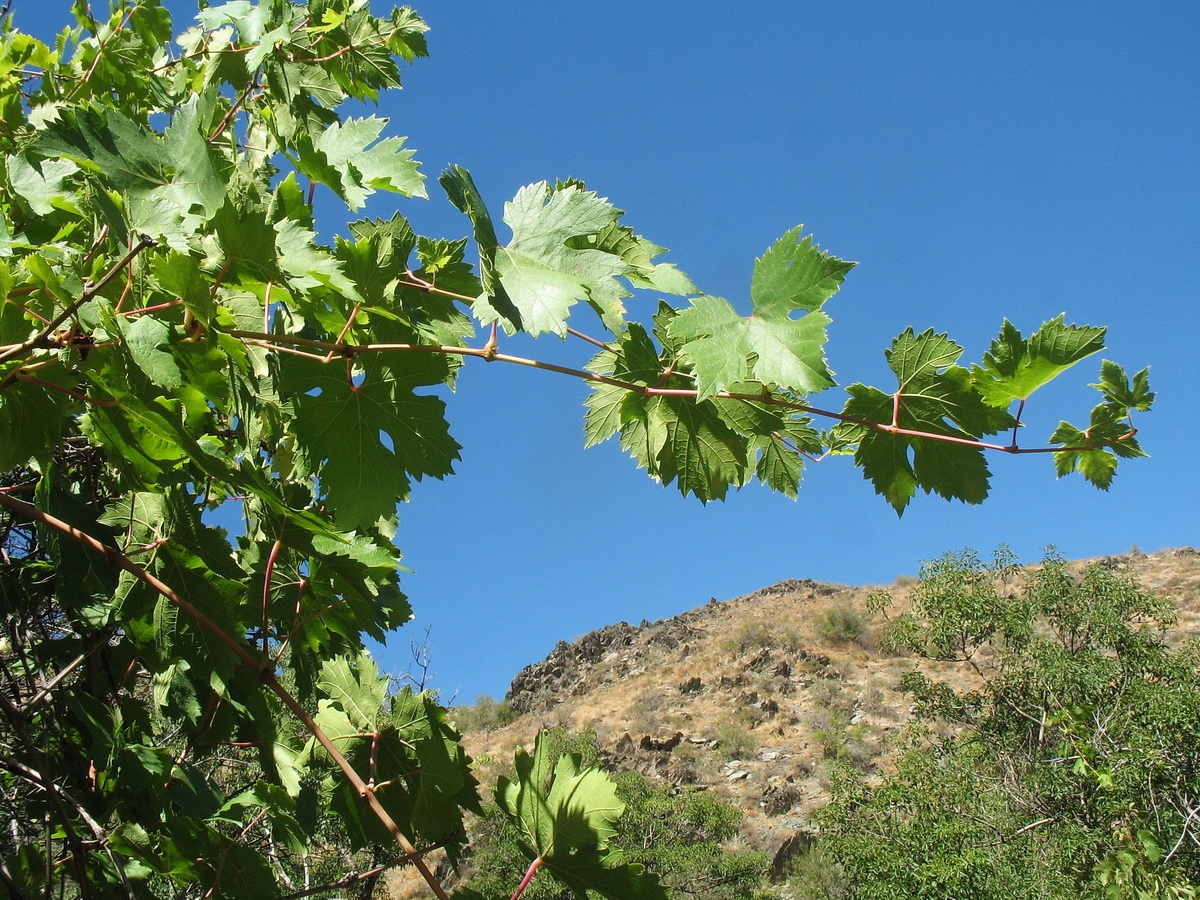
(743, 697)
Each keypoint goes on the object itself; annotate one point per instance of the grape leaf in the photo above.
(589, 872)
(31, 417)
(937, 399)
(42, 183)
(356, 687)
(768, 346)
(634, 360)
(350, 158)
(638, 254)
(340, 430)
(567, 818)
(677, 440)
(460, 188)
(175, 182)
(775, 439)
(1014, 368)
(1120, 391)
(794, 274)
(1093, 452)
(543, 274)
(566, 246)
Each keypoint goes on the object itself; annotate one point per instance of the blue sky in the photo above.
(978, 160)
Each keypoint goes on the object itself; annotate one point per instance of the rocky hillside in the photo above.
(751, 696)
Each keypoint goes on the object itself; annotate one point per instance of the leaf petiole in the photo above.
(533, 867)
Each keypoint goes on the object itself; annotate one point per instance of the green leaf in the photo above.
(460, 188)
(542, 273)
(725, 348)
(588, 872)
(356, 687)
(31, 417)
(768, 346)
(935, 399)
(1093, 452)
(436, 769)
(80, 572)
(795, 275)
(175, 183)
(567, 245)
(366, 440)
(42, 183)
(567, 817)
(350, 158)
(1120, 391)
(309, 265)
(638, 254)
(776, 439)
(559, 806)
(1014, 368)
(700, 450)
(635, 360)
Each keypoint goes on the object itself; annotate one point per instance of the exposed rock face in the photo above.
(564, 672)
(545, 684)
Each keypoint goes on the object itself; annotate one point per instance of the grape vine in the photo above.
(192, 711)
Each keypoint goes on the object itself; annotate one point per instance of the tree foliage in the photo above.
(1071, 769)
(184, 705)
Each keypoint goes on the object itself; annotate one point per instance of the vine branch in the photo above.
(287, 343)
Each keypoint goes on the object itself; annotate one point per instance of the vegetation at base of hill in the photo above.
(1072, 771)
(485, 714)
(680, 835)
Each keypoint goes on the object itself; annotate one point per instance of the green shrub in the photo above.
(486, 714)
(733, 734)
(814, 875)
(1071, 773)
(840, 624)
(761, 636)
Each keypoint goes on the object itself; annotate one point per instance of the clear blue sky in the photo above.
(979, 160)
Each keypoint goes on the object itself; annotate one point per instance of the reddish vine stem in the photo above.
(265, 673)
(532, 870)
(100, 53)
(146, 309)
(233, 110)
(1017, 422)
(351, 350)
(283, 645)
(266, 598)
(103, 233)
(345, 329)
(124, 291)
(590, 340)
(25, 309)
(20, 375)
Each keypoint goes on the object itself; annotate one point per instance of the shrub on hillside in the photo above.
(485, 714)
(840, 623)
